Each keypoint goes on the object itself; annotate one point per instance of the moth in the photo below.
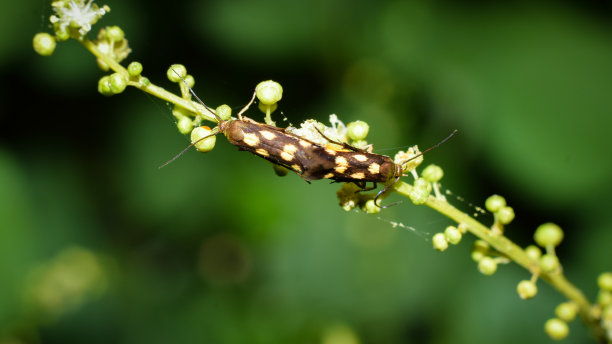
(309, 160)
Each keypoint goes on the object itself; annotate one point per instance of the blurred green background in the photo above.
(97, 245)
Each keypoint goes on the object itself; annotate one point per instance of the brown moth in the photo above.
(309, 160)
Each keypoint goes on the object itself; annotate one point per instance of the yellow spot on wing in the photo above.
(329, 175)
(341, 161)
(290, 149)
(330, 151)
(268, 135)
(262, 152)
(340, 169)
(374, 168)
(360, 157)
(296, 167)
(358, 175)
(287, 156)
(305, 143)
(251, 139)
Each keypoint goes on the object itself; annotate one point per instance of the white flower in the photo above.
(410, 159)
(77, 14)
(311, 130)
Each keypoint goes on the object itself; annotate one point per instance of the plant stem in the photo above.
(150, 88)
(516, 253)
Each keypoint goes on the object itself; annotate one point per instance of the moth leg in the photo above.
(302, 176)
(387, 187)
(246, 107)
(363, 186)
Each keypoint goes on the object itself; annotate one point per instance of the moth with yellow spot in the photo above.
(353, 165)
(310, 160)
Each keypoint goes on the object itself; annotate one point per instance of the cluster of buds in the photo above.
(72, 19)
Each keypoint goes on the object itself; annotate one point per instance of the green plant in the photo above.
(73, 19)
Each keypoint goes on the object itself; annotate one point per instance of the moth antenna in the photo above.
(219, 120)
(430, 148)
(185, 150)
(198, 99)
(397, 178)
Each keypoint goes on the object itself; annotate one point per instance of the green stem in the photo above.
(514, 252)
(150, 88)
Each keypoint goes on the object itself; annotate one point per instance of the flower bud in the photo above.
(548, 234)
(44, 44)
(358, 130)
(176, 72)
(269, 92)
(203, 145)
(556, 329)
(526, 289)
(494, 203)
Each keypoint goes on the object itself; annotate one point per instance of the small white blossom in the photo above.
(310, 128)
(77, 14)
(339, 130)
(117, 50)
(348, 196)
(410, 159)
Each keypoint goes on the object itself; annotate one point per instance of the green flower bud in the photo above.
(548, 234)
(433, 173)
(357, 130)
(134, 69)
(566, 311)
(117, 82)
(549, 262)
(480, 249)
(420, 191)
(205, 145)
(526, 289)
(44, 44)
(224, 112)
(61, 32)
(361, 144)
(606, 315)
(280, 171)
(452, 234)
(179, 111)
(556, 329)
(184, 125)
(604, 298)
(269, 92)
(487, 266)
(370, 207)
(439, 242)
(505, 215)
(189, 80)
(494, 203)
(265, 107)
(533, 252)
(174, 70)
(114, 33)
(604, 281)
(104, 86)
(144, 81)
